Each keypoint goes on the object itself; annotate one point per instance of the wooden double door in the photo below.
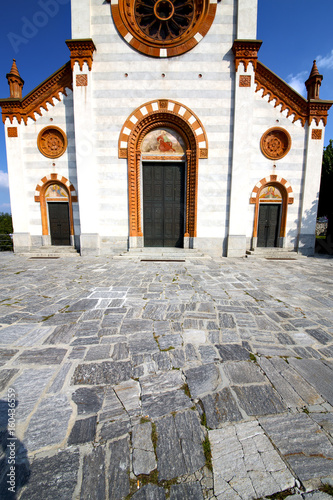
(59, 223)
(163, 204)
(269, 224)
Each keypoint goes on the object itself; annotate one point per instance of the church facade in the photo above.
(164, 129)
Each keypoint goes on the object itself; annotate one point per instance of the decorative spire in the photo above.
(313, 82)
(15, 82)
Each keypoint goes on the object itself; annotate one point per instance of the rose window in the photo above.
(275, 143)
(163, 28)
(164, 19)
(52, 142)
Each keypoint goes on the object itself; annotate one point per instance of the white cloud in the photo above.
(3, 179)
(325, 62)
(297, 82)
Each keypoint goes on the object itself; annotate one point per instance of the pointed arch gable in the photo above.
(287, 199)
(166, 114)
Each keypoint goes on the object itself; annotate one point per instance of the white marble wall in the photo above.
(209, 97)
(28, 168)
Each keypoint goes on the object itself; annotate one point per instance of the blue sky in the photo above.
(294, 33)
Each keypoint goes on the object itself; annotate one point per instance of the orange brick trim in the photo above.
(82, 51)
(166, 114)
(123, 14)
(287, 199)
(245, 81)
(175, 111)
(289, 99)
(39, 98)
(40, 197)
(316, 133)
(12, 132)
(81, 80)
(246, 51)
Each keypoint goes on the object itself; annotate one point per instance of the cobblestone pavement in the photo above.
(151, 380)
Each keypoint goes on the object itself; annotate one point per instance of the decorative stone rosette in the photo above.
(275, 143)
(52, 142)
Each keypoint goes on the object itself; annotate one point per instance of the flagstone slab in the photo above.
(186, 491)
(302, 443)
(317, 374)
(245, 463)
(258, 399)
(93, 475)
(144, 460)
(220, 407)
(119, 464)
(203, 379)
(103, 373)
(52, 414)
(88, 400)
(84, 430)
(150, 492)
(157, 405)
(53, 477)
(232, 352)
(46, 356)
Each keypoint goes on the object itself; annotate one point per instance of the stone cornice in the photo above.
(37, 99)
(81, 51)
(246, 51)
(289, 99)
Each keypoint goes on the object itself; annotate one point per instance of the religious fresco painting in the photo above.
(163, 142)
(270, 194)
(54, 191)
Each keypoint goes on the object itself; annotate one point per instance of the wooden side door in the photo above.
(59, 223)
(268, 224)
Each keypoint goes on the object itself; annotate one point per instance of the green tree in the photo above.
(325, 207)
(326, 186)
(6, 228)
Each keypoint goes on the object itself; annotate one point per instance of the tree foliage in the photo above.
(326, 186)
(6, 228)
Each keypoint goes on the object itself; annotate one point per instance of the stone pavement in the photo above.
(151, 380)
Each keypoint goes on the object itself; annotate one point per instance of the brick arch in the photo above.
(165, 114)
(287, 199)
(40, 197)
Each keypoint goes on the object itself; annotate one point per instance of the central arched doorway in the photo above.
(163, 142)
(163, 153)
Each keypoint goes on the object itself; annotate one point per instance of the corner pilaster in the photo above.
(81, 62)
(245, 52)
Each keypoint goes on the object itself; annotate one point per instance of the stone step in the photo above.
(163, 254)
(49, 252)
(274, 253)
